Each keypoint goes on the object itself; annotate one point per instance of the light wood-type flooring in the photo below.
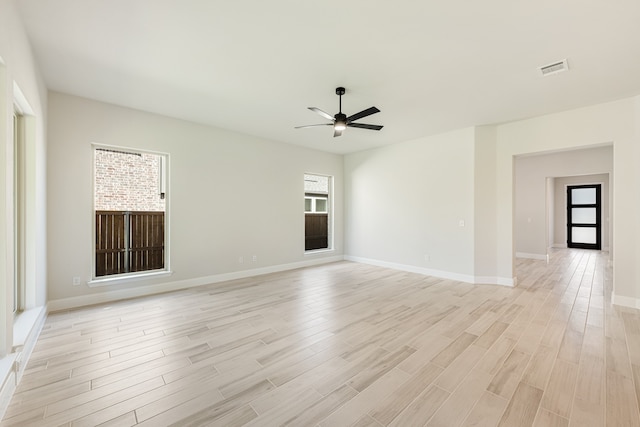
(346, 344)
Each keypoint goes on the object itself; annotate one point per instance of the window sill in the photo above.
(318, 251)
(124, 278)
(23, 323)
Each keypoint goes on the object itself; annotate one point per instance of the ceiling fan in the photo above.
(340, 121)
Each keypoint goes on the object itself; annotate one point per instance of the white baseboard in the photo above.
(140, 291)
(625, 301)
(542, 257)
(435, 273)
(492, 280)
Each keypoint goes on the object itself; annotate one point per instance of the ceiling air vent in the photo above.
(554, 68)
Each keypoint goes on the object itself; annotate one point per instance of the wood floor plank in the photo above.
(425, 353)
(558, 395)
(422, 408)
(487, 412)
(586, 414)
(497, 354)
(365, 401)
(506, 380)
(523, 407)
(539, 368)
(549, 419)
(391, 407)
(453, 350)
(461, 402)
(622, 408)
(222, 408)
(460, 368)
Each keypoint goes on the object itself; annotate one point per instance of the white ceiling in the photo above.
(254, 66)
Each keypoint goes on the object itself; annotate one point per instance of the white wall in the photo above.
(405, 201)
(18, 70)
(229, 195)
(613, 123)
(560, 207)
(485, 224)
(531, 172)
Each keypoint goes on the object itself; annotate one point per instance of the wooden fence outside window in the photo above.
(316, 231)
(129, 241)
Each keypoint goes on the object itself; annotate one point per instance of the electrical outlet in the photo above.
(76, 281)
(240, 260)
(254, 258)
(427, 257)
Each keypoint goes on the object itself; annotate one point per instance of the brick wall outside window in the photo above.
(127, 181)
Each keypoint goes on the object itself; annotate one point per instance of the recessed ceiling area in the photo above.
(254, 67)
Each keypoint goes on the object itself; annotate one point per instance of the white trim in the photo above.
(73, 302)
(21, 101)
(542, 257)
(117, 279)
(312, 252)
(491, 280)
(436, 273)
(36, 319)
(625, 301)
(25, 323)
(560, 246)
(8, 384)
(27, 328)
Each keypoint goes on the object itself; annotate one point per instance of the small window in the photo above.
(321, 205)
(317, 208)
(315, 204)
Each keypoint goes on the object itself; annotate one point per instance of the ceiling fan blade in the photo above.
(337, 133)
(364, 126)
(364, 113)
(310, 126)
(322, 113)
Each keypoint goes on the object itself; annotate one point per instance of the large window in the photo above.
(130, 207)
(317, 212)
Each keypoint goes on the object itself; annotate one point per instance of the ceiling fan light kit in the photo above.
(340, 121)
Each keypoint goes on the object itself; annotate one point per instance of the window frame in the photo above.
(314, 203)
(163, 186)
(329, 212)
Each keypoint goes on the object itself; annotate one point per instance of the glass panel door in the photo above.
(583, 216)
